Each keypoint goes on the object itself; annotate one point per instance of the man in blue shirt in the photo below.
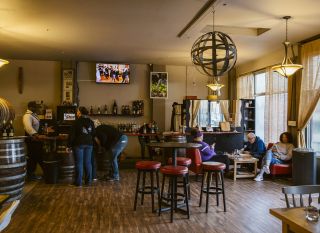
(255, 146)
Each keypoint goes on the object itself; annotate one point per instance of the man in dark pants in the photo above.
(110, 138)
(31, 125)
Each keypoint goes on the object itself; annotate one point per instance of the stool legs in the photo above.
(137, 190)
(147, 190)
(173, 194)
(216, 189)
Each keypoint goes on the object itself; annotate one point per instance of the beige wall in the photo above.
(41, 81)
(268, 60)
(97, 95)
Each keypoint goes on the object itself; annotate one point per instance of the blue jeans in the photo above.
(270, 160)
(116, 151)
(83, 154)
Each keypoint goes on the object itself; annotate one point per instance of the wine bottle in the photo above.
(99, 112)
(10, 130)
(105, 109)
(4, 129)
(115, 108)
(91, 111)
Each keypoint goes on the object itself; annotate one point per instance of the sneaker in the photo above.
(258, 178)
(266, 169)
(33, 177)
(113, 179)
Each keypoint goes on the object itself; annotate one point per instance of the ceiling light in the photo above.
(287, 68)
(3, 62)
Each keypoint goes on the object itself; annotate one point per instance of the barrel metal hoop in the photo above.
(13, 177)
(11, 156)
(11, 186)
(12, 192)
(13, 165)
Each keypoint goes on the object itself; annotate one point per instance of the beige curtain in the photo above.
(309, 88)
(245, 86)
(224, 105)
(237, 113)
(195, 112)
(275, 108)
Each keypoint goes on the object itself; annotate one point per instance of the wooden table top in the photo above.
(296, 219)
(174, 145)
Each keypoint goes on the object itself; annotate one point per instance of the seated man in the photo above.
(255, 146)
(207, 152)
(280, 153)
(110, 138)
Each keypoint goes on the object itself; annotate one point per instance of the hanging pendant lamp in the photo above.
(287, 68)
(3, 62)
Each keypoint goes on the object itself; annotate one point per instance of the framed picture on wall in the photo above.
(159, 85)
(67, 85)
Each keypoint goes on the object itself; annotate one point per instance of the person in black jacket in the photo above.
(110, 138)
(81, 140)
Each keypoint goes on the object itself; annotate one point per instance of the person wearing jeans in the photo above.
(112, 139)
(281, 152)
(81, 140)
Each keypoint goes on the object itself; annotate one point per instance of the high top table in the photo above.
(175, 146)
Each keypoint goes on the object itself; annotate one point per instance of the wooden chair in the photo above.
(300, 190)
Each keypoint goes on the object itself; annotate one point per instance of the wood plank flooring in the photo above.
(108, 207)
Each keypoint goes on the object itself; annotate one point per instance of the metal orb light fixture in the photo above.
(215, 52)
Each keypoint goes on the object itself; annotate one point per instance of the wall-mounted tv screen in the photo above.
(112, 73)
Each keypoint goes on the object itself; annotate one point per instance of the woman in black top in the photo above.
(81, 140)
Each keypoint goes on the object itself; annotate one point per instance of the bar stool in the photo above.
(173, 172)
(147, 167)
(210, 168)
(186, 162)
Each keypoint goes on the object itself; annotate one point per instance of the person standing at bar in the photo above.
(81, 140)
(110, 138)
(31, 124)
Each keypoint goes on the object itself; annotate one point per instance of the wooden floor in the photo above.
(108, 207)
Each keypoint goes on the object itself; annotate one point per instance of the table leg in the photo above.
(255, 167)
(174, 156)
(234, 170)
(285, 227)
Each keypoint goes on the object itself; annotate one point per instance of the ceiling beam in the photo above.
(203, 9)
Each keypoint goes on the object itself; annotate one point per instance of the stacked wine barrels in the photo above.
(66, 165)
(6, 111)
(12, 167)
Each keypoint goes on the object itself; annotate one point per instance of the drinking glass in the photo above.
(312, 213)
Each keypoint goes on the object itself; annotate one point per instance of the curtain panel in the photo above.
(309, 88)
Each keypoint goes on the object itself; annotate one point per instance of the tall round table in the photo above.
(175, 146)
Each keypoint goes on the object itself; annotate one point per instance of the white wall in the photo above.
(41, 81)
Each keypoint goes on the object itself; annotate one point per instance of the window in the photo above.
(271, 94)
(210, 114)
(315, 130)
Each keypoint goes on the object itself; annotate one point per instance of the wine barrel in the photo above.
(12, 167)
(66, 165)
(6, 111)
(103, 161)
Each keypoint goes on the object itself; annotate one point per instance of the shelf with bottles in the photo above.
(136, 110)
(7, 129)
(115, 115)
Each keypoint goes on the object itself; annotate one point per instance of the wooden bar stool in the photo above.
(174, 172)
(186, 162)
(210, 168)
(147, 167)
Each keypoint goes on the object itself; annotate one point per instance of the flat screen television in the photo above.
(112, 73)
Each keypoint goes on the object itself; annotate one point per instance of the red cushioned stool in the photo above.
(210, 168)
(182, 161)
(174, 172)
(147, 167)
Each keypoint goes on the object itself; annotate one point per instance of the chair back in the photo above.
(300, 190)
(194, 155)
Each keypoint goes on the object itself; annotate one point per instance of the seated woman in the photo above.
(207, 152)
(280, 153)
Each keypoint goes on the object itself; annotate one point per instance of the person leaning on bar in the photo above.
(31, 125)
